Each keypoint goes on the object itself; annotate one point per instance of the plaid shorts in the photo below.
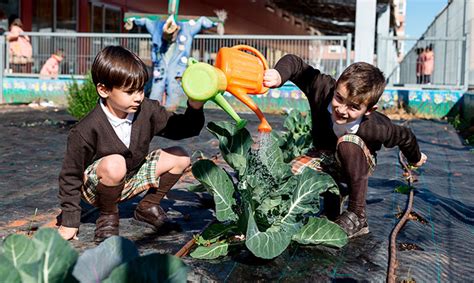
(327, 161)
(142, 180)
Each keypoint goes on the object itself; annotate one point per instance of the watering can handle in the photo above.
(259, 56)
(255, 52)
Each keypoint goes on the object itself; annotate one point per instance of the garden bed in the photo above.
(32, 146)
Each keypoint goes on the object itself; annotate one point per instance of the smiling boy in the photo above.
(346, 130)
(107, 158)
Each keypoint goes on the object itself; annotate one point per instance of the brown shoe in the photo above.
(153, 215)
(107, 224)
(352, 224)
(149, 209)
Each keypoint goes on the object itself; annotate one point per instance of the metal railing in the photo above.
(447, 67)
(451, 38)
(330, 54)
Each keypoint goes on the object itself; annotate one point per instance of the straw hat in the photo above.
(170, 29)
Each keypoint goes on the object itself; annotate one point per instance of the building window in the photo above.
(54, 15)
(105, 18)
(66, 15)
(8, 8)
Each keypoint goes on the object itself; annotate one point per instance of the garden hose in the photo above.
(392, 263)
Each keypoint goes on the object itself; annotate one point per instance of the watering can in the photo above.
(235, 71)
(244, 74)
(203, 82)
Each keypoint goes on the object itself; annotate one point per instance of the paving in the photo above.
(33, 142)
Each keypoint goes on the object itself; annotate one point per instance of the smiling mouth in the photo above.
(339, 117)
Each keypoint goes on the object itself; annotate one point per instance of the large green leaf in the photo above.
(20, 250)
(45, 258)
(234, 143)
(237, 162)
(96, 264)
(286, 188)
(217, 230)
(58, 258)
(321, 231)
(8, 271)
(219, 183)
(268, 244)
(150, 268)
(305, 197)
(211, 252)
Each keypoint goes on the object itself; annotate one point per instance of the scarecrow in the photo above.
(171, 47)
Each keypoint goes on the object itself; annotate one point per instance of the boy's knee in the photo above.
(181, 156)
(346, 150)
(112, 167)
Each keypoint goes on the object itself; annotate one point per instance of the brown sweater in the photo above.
(93, 138)
(375, 129)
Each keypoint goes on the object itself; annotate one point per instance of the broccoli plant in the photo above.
(262, 205)
(297, 137)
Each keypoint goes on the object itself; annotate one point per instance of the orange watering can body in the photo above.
(244, 73)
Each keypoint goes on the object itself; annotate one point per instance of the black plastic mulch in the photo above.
(33, 141)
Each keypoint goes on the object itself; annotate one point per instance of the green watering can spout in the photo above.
(203, 82)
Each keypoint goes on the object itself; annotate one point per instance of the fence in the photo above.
(446, 69)
(331, 54)
(451, 34)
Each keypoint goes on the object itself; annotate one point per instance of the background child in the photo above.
(107, 158)
(50, 68)
(428, 64)
(347, 131)
(20, 51)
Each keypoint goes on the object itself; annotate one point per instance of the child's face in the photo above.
(119, 102)
(343, 110)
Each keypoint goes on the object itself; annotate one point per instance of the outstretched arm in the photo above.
(404, 138)
(142, 22)
(200, 24)
(310, 80)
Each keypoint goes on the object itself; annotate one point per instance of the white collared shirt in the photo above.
(122, 127)
(347, 128)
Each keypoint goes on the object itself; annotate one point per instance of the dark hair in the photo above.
(17, 22)
(118, 67)
(59, 52)
(364, 83)
(11, 18)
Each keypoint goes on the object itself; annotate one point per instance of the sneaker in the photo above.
(352, 224)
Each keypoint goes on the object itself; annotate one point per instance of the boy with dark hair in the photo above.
(347, 132)
(107, 159)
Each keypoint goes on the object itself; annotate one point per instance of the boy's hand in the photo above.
(195, 104)
(68, 233)
(422, 160)
(271, 78)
